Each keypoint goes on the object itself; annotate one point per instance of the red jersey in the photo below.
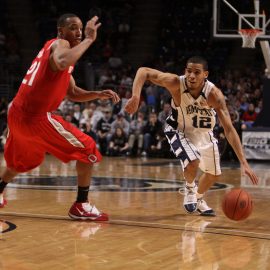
(42, 89)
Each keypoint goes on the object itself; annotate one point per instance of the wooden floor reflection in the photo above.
(148, 228)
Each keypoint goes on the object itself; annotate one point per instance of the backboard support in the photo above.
(266, 55)
(229, 16)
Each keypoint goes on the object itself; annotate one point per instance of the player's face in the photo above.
(195, 75)
(72, 31)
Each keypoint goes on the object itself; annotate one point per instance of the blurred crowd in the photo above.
(10, 54)
(118, 134)
(105, 66)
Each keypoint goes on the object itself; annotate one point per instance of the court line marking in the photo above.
(208, 230)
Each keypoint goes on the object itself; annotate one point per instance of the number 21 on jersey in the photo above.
(32, 71)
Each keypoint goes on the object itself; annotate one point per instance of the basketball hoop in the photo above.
(249, 37)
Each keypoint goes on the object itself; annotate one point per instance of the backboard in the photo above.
(229, 16)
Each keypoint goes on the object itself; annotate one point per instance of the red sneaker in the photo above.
(85, 211)
(3, 201)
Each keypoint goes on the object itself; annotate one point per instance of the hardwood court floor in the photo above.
(148, 228)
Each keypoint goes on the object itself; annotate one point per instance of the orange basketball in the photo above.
(237, 204)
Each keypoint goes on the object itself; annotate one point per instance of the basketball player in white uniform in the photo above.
(189, 129)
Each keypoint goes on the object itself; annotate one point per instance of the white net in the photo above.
(249, 37)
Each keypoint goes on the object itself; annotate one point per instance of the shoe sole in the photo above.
(213, 214)
(190, 212)
(87, 218)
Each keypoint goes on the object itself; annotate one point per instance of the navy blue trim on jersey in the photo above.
(215, 164)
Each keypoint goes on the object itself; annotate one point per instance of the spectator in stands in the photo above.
(87, 129)
(119, 143)
(259, 106)
(249, 117)
(151, 99)
(243, 103)
(151, 131)
(162, 116)
(70, 118)
(158, 146)
(126, 81)
(136, 133)
(96, 114)
(104, 131)
(120, 122)
(77, 114)
(66, 106)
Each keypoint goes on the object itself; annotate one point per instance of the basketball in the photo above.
(237, 204)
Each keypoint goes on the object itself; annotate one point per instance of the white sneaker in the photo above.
(190, 199)
(204, 209)
(85, 211)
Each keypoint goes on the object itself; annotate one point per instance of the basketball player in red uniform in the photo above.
(34, 130)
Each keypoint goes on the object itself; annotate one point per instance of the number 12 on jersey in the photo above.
(201, 121)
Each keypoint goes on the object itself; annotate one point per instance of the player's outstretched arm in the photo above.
(217, 101)
(78, 94)
(166, 80)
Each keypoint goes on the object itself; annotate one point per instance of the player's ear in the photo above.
(60, 32)
(206, 73)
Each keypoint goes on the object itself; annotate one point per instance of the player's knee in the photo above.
(193, 165)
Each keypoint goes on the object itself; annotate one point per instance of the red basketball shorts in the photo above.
(31, 137)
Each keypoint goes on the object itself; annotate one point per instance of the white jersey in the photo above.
(189, 129)
(195, 115)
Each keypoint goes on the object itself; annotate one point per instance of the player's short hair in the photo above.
(61, 22)
(198, 60)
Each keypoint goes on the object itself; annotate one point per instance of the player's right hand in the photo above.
(91, 27)
(132, 105)
(246, 170)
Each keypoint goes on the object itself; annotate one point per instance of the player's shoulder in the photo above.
(215, 96)
(48, 44)
(58, 42)
(216, 91)
(174, 77)
(211, 88)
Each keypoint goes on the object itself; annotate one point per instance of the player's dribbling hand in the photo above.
(132, 105)
(109, 94)
(91, 27)
(246, 170)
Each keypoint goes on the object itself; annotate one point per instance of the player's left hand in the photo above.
(246, 170)
(109, 94)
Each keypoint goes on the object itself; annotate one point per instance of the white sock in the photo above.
(191, 185)
(199, 196)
